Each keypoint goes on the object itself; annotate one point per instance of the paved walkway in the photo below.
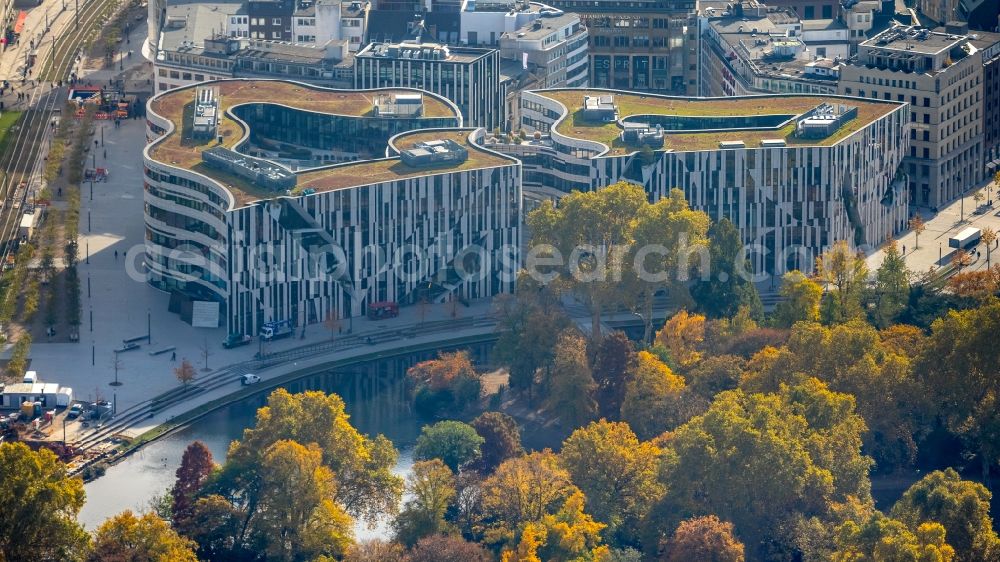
(934, 250)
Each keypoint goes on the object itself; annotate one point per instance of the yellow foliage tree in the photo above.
(682, 335)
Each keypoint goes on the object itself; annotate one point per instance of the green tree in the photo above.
(800, 300)
(529, 324)
(704, 538)
(521, 491)
(454, 442)
(501, 439)
(39, 506)
(882, 539)
(962, 507)
(654, 397)
(365, 485)
(431, 487)
(728, 288)
(715, 374)
(616, 472)
(216, 525)
(571, 387)
(959, 364)
(845, 271)
(766, 462)
(127, 538)
(614, 359)
(446, 384)
(670, 240)
(592, 230)
(892, 286)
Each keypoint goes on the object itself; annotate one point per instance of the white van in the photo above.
(31, 377)
(246, 380)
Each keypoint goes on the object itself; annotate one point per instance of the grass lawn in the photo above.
(7, 120)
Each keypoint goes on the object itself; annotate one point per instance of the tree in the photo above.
(570, 534)
(670, 241)
(376, 550)
(194, 471)
(683, 335)
(715, 374)
(892, 285)
(332, 323)
(989, 236)
(882, 539)
(572, 386)
(447, 548)
(978, 197)
(431, 486)
(185, 372)
(728, 287)
(127, 538)
(704, 538)
(917, 225)
(501, 439)
(591, 231)
(959, 365)
(960, 259)
(846, 271)
(615, 471)
(455, 443)
(529, 325)
(522, 490)
(614, 359)
(654, 397)
(962, 507)
(296, 518)
(979, 285)
(216, 524)
(765, 462)
(447, 383)
(365, 485)
(206, 352)
(40, 504)
(800, 300)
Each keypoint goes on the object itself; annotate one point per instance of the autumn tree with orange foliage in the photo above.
(704, 538)
(447, 383)
(980, 284)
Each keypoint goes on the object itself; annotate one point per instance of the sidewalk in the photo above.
(934, 250)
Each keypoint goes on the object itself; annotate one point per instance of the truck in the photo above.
(966, 238)
(236, 340)
(276, 330)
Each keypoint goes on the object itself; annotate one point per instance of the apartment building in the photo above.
(553, 47)
(422, 212)
(468, 76)
(940, 74)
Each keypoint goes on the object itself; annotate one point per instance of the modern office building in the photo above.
(794, 173)
(649, 45)
(468, 76)
(262, 219)
(940, 74)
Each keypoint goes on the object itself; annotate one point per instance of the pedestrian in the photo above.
(904, 249)
(173, 356)
(116, 255)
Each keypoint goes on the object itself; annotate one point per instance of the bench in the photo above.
(162, 351)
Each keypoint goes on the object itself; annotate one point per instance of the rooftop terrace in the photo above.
(181, 149)
(574, 125)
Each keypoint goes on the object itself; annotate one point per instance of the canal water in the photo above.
(375, 398)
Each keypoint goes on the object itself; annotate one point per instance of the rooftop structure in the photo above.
(399, 105)
(206, 112)
(691, 134)
(434, 153)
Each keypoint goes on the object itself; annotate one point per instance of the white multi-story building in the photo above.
(940, 75)
(424, 212)
(795, 173)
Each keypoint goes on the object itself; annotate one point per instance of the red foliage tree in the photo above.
(196, 466)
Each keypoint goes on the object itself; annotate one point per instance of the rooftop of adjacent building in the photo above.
(635, 104)
(544, 26)
(188, 24)
(181, 149)
(416, 50)
(913, 39)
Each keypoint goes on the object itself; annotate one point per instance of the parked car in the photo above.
(74, 411)
(247, 380)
